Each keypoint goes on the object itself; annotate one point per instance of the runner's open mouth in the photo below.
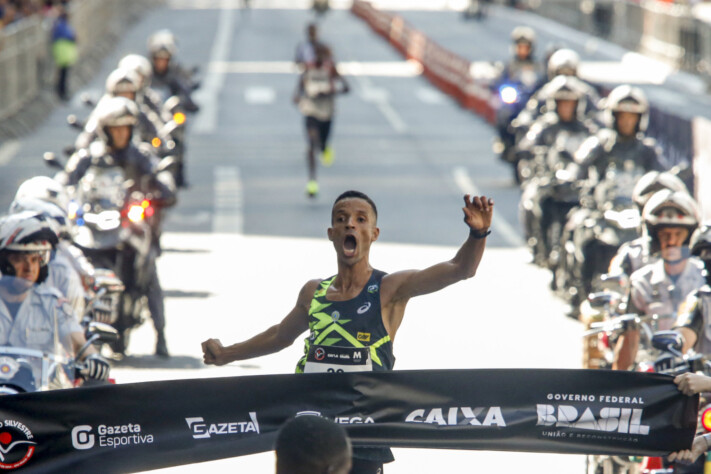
(350, 244)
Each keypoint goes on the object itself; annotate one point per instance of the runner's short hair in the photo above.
(355, 194)
(311, 444)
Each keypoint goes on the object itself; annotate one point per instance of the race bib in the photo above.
(336, 359)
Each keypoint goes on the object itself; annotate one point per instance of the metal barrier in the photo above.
(22, 46)
(666, 31)
(26, 64)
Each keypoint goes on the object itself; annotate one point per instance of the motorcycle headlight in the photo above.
(508, 94)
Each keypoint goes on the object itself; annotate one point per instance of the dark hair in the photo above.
(311, 445)
(357, 195)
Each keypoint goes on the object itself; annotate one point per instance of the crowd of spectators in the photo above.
(12, 11)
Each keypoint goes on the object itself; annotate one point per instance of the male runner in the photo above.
(359, 309)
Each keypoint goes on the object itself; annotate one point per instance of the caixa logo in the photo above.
(16, 444)
(202, 430)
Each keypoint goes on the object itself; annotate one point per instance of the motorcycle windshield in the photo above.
(102, 189)
(36, 330)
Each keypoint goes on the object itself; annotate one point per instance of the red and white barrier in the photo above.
(450, 72)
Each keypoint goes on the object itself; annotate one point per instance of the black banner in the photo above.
(150, 425)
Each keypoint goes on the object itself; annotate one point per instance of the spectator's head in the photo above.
(312, 445)
(312, 32)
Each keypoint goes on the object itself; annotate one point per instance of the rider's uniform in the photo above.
(653, 292)
(695, 314)
(43, 320)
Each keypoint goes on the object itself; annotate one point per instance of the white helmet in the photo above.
(140, 65)
(563, 62)
(59, 221)
(654, 181)
(115, 112)
(626, 98)
(523, 34)
(122, 80)
(162, 44)
(566, 88)
(44, 188)
(26, 231)
(667, 208)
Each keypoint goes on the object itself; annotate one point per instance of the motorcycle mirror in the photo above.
(668, 341)
(87, 100)
(51, 160)
(74, 122)
(165, 164)
(603, 298)
(102, 332)
(112, 283)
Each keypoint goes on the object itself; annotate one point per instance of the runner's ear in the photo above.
(376, 233)
(329, 232)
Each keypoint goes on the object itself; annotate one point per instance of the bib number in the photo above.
(333, 359)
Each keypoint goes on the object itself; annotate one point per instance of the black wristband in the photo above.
(478, 235)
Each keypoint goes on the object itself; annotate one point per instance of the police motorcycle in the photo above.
(515, 84)
(115, 220)
(594, 232)
(660, 353)
(47, 363)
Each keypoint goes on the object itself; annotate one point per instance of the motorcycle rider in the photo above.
(695, 314)
(120, 83)
(49, 190)
(634, 254)
(62, 274)
(562, 127)
(146, 97)
(34, 315)
(523, 40)
(621, 145)
(115, 123)
(659, 288)
(167, 73)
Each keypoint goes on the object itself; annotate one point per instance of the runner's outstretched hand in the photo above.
(210, 350)
(478, 212)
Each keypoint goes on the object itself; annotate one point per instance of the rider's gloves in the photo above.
(97, 367)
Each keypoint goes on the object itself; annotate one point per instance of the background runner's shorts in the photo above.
(322, 127)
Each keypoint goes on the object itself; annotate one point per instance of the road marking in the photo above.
(254, 4)
(8, 150)
(407, 68)
(229, 214)
(208, 94)
(431, 96)
(467, 186)
(260, 95)
(379, 97)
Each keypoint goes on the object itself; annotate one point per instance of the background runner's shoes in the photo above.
(312, 188)
(327, 156)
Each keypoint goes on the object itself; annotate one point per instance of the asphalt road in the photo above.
(244, 237)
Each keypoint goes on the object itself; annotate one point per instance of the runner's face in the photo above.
(353, 228)
(120, 136)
